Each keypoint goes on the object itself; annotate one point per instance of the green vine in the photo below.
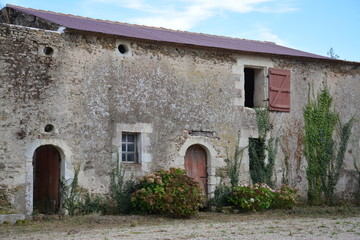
(357, 193)
(324, 155)
(233, 168)
(262, 150)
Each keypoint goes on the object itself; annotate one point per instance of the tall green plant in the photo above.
(233, 169)
(262, 150)
(357, 193)
(324, 155)
(121, 189)
(70, 193)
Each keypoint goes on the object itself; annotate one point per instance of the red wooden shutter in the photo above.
(279, 90)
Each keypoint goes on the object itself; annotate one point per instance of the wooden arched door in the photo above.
(196, 165)
(46, 179)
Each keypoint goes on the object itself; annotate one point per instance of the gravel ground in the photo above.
(267, 225)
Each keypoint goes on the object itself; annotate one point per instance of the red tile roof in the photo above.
(163, 35)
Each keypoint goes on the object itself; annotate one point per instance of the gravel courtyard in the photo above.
(330, 223)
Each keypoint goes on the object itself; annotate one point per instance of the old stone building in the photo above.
(82, 91)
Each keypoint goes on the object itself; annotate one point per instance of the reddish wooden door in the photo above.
(46, 179)
(195, 165)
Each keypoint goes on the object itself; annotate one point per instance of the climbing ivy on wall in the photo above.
(324, 155)
(234, 163)
(262, 150)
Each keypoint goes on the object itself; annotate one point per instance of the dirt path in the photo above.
(269, 225)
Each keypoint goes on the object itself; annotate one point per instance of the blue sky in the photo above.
(310, 25)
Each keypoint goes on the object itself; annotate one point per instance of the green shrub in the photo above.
(70, 193)
(90, 204)
(324, 148)
(285, 197)
(233, 168)
(121, 189)
(253, 197)
(263, 150)
(357, 193)
(221, 196)
(168, 192)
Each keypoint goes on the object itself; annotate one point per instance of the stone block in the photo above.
(11, 218)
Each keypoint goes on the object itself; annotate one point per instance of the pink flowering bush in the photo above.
(252, 197)
(168, 192)
(285, 197)
(260, 197)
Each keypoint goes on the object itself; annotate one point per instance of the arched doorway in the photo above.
(196, 165)
(46, 168)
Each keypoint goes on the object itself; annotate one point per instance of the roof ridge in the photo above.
(161, 34)
(140, 25)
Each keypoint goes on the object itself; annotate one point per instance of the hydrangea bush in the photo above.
(285, 197)
(260, 197)
(252, 197)
(168, 192)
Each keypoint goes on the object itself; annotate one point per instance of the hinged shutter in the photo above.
(279, 90)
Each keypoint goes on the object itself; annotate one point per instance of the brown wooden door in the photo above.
(195, 165)
(46, 179)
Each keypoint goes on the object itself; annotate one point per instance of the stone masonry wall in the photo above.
(86, 87)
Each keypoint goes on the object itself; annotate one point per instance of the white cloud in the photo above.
(185, 14)
(264, 33)
(180, 20)
(228, 5)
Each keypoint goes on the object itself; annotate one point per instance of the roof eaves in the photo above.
(141, 32)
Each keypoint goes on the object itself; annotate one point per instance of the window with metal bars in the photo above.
(129, 151)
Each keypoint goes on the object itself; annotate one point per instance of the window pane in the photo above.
(131, 157)
(123, 138)
(130, 138)
(131, 147)
(123, 147)
(123, 157)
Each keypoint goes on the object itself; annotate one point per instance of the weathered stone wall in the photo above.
(29, 99)
(343, 80)
(182, 95)
(84, 88)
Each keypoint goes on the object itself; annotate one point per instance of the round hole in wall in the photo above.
(49, 128)
(48, 51)
(123, 48)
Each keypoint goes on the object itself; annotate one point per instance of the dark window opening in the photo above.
(129, 151)
(249, 87)
(48, 51)
(123, 48)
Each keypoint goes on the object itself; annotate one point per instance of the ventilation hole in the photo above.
(49, 128)
(48, 51)
(123, 48)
